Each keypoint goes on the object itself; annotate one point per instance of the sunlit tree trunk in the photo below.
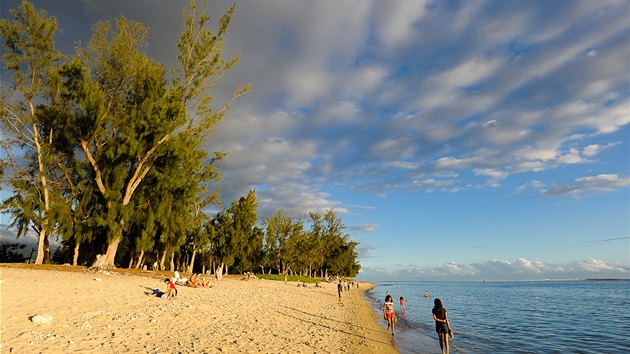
(140, 259)
(75, 257)
(162, 260)
(192, 259)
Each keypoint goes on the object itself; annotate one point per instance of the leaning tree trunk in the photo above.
(140, 259)
(41, 251)
(162, 259)
(130, 260)
(110, 255)
(39, 259)
(192, 259)
(75, 258)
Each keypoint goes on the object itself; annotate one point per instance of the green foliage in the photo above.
(29, 48)
(293, 278)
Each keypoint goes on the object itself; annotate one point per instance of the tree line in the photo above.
(105, 150)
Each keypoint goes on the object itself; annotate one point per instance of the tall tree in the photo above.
(220, 234)
(29, 56)
(283, 237)
(244, 238)
(124, 125)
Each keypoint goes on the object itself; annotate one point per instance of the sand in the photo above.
(113, 313)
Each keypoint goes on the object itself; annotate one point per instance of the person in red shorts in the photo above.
(388, 313)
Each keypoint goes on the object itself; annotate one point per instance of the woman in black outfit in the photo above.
(442, 326)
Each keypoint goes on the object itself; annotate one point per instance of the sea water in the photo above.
(512, 317)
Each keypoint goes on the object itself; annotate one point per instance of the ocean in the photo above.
(512, 317)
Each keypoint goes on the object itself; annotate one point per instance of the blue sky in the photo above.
(458, 140)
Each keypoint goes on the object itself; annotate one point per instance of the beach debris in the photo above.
(98, 279)
(100, 266)
(42, 319)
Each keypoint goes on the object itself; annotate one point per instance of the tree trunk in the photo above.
(162, 259)
(172, 261)
(140, 258)
(110, 254)
(75, 258)
(130, 261)
(39, 259)
(46, 251)
(41, 252)
(192, 259)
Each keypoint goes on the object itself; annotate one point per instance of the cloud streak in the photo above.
(394, 101)
(520, 269)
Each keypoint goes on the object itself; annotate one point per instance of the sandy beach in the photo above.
(112, 313)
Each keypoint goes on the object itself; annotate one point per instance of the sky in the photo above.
(457, 140)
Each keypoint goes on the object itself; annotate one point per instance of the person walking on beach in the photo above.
(218, 274)
(388, 313)
(442, 326)
(339, 291)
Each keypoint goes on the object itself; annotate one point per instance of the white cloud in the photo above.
(519, 269)
(367, 227)
(591, 150)
(585, 186)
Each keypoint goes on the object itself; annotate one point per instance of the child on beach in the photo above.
(388, 313)
(442, 326)
(402, 304)
(171, 291)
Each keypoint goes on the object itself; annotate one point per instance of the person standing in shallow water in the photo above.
(442, 326)
(388, 313)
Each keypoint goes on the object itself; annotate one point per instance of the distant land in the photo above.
(7, 237)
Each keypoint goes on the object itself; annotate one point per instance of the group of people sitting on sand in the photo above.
(195, 281)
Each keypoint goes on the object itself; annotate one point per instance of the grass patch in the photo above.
(280, 277)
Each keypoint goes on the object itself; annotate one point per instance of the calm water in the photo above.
(513, 317)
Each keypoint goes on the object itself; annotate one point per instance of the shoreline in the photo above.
(112, 312)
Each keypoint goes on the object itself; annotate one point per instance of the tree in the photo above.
(220, 233)
(333, 249)
(127, 112)
(29, 56)
(283, 239)
(244, 237)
